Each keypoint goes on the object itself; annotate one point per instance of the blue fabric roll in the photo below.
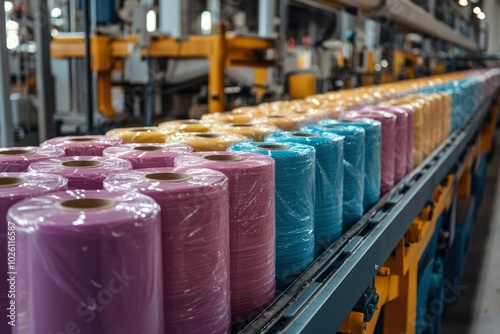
(373, 147)
(295, 188)
(329, 181)
(354, 168)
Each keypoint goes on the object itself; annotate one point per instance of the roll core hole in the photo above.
(208, 135)
(17, 152)
(242, 125)
(274, 147)
(83, 139)
(190, 122)
(305, 135)
(275, 116)
(168, 177)
(82, 163)
(139, 130)
(148, 148)
(223, 157)
(87, 204)
(12, 181)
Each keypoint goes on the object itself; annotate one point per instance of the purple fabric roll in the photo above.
(388, 121)
(91, 265)
(15, 187)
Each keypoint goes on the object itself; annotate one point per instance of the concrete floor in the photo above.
(478, 307)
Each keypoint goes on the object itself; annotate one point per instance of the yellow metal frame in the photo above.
(221, 50)
(396, 282)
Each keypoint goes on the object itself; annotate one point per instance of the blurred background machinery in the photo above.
(84, 66)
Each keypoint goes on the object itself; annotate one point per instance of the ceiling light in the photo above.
(476, 10)
(481, 16)
(463, 3)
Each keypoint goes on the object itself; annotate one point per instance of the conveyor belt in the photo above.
(325, 294)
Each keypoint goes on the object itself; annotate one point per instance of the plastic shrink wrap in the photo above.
(254, 131)
(195, 243)
(202, 142)
(88, 261)
(13, 188)
(388, 143)
(354, 169)
(401, 138)
(251, 225)
(83, 172)
(373, 150)
(83, 145)
(295, 178)
(186, 125)
(150, 134)
(18, 159)
(148, 155)
(329, 181)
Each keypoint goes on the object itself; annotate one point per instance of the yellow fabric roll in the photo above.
(255, 131)
(186, 125)
(285, 122)
(203, 141)
(425, 106)
(139, 135)
(436, 117)
(247, 110)
(447, 113)
(228, 117)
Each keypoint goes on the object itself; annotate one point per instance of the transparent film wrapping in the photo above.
(284, 121)
(228, 117)
(253, 130)
(373, 153)
(195, 243)
(148, 155)
(329, 181)
(13, 188)
(401, 138)
(295, 188)
(410, 135)
(251, 226)
(85, 172)
(149, 134)
(354, 169)
(97, 262)
(187, 125)
(83, 145)
(202, 142)
(388, 144)
(18, 159)
(419, 129)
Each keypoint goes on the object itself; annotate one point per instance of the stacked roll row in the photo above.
(199, 240)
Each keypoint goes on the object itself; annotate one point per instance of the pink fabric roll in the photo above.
(83, 145)
(409, 148)
(17, 159)
(251, 226)
(91, 265)
(148, 155)
(85, 172)
(13, 188)
(388, 143)
(195, 237)
(401, 138)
